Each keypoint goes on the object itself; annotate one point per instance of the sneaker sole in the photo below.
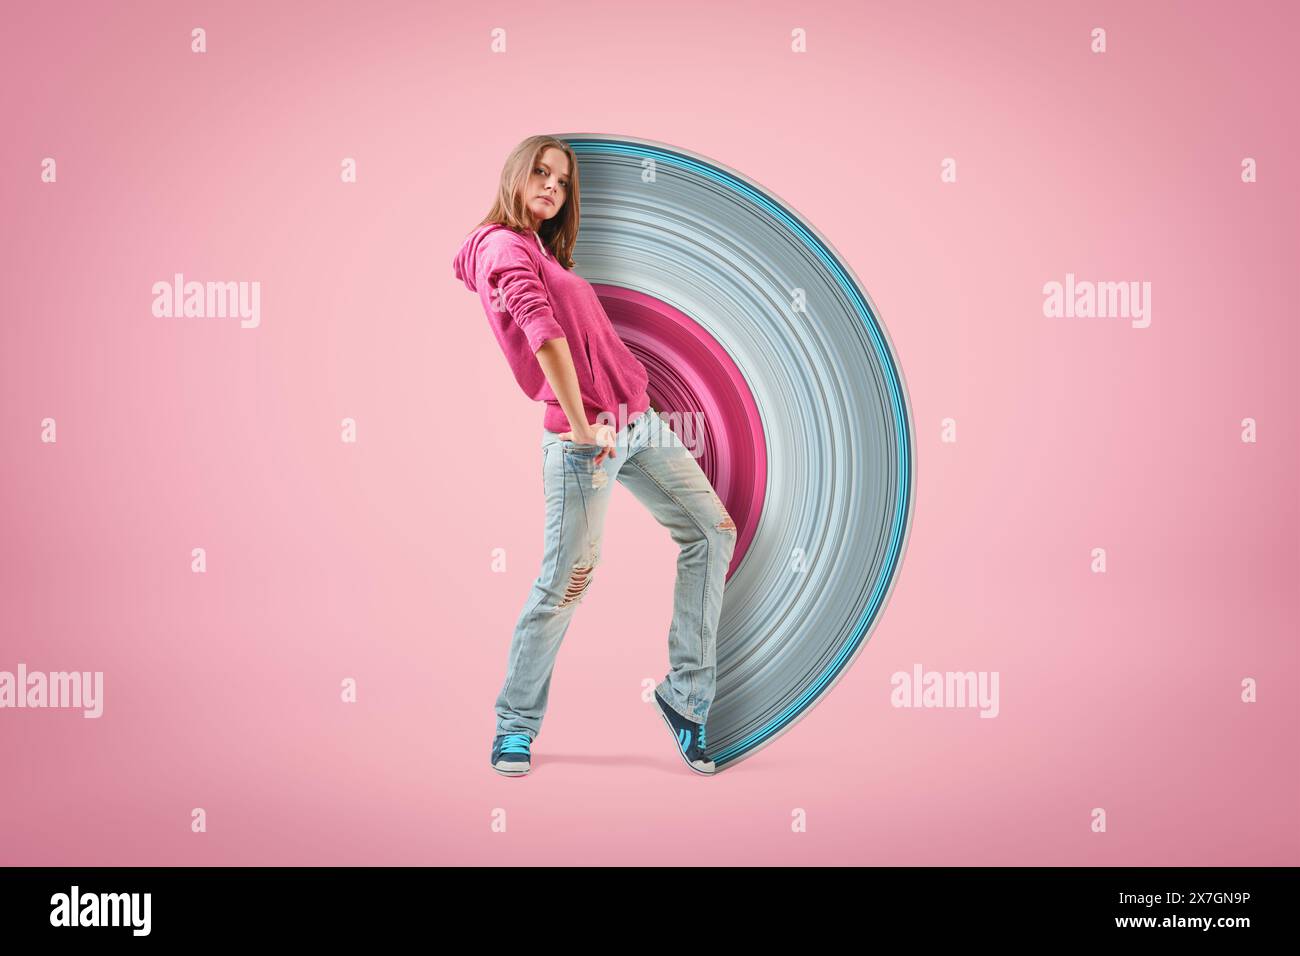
(681, 753)
(499, 768)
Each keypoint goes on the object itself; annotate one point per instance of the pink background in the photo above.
(373, 560)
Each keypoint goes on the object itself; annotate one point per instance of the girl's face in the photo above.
(547, 186)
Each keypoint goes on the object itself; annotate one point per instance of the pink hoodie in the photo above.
(542, 300)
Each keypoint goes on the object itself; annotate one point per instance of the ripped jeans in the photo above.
(661, 472)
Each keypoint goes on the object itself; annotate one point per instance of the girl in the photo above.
(598, 426)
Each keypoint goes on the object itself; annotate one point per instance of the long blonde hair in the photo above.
(560, 232)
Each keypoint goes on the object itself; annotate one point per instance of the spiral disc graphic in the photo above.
(754, 329)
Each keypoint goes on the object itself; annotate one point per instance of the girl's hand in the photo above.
(600, 434)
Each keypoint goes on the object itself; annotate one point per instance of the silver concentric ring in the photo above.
(829, 533)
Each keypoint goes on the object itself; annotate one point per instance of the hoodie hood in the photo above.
(465, 265)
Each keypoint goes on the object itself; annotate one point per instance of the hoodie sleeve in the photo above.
(508, 267)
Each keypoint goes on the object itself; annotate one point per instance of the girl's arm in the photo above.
(508, 266)
(557, 363)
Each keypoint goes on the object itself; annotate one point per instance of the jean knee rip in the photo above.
(725, 523)
(579, 578)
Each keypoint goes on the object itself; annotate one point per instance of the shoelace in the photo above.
(703, 745)
(515, 744)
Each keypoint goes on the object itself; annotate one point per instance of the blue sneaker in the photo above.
(690, 738)
(510, 754)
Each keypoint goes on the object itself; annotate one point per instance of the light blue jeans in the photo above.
(661, 472)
